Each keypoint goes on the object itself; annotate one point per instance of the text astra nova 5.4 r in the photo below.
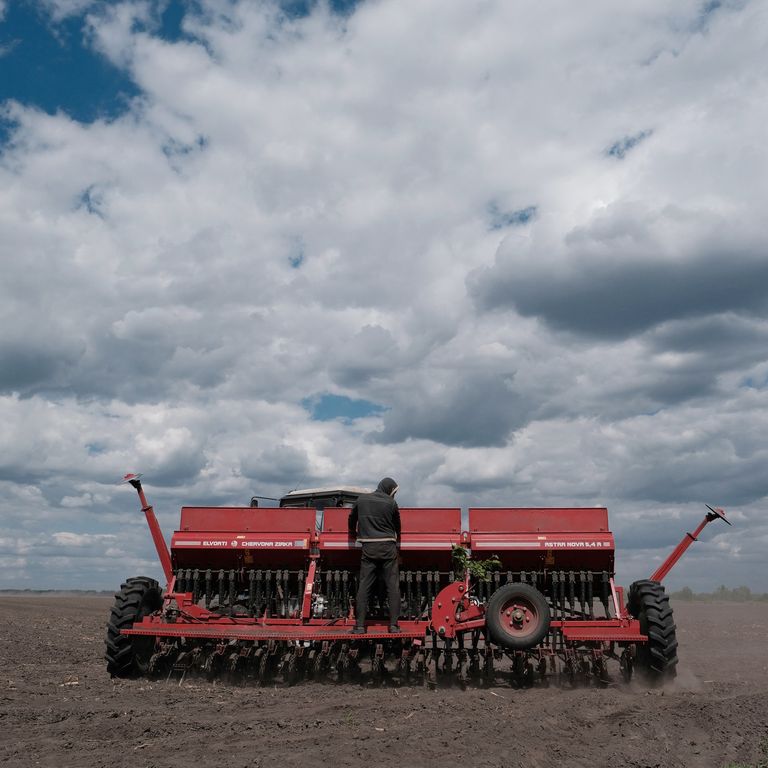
(267, 593)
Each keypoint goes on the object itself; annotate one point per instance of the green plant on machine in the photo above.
(478, 569)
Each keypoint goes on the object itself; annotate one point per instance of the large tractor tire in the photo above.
(517, 617)
(128, 656)
(656, 659)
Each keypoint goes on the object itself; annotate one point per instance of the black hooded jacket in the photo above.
(376, 516)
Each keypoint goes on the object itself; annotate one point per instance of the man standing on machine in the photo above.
(375, 522)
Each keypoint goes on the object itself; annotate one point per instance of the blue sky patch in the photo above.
(170, 21)
(7, 128)
(754, 383)
(620, 148)
(174, 149)
(92, 201)
(296, 255)
(50, 67)
(328, 407)
(49, 64)
(300, 8)
(500, 219)
(707, 11)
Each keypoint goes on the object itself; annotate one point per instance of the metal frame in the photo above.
(454, 611)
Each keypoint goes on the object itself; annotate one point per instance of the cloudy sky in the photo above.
(508, 253)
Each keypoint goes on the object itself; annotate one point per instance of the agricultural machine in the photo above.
(267, 594)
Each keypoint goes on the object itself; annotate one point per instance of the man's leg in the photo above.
(391, 573)
(366, 581)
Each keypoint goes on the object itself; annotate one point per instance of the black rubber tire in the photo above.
(528, 596)
(657, 659)
(126, 656)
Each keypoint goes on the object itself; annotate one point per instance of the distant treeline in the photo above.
(737, 595)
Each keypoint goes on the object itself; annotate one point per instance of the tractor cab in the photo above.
(320, 498)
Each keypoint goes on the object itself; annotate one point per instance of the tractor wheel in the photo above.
(517, 616)
(656, 659)
(128, 656)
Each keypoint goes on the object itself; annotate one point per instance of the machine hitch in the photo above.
(713, 514)
(154, 528)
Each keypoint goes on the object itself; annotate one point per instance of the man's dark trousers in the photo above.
(379, 559)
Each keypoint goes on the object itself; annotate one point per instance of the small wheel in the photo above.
(209, 667)
(517, 616)
(568, 672)
(600, 673)
(528, 675)
(291, 673)
(377, 670)
(265, 671)
(429, 667)
(405, 669)
(421, 668)
(127, 656)
(542, 672)
(351, 669)
(488, 674)
(626, 664)
(320, 666)
(473, 670)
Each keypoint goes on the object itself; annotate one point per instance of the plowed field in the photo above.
(58, 707)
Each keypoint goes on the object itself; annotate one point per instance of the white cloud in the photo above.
(62, 9)
(299, 206)
(71, 540)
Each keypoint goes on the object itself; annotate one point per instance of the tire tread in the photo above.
(135, 595)
(648, 602)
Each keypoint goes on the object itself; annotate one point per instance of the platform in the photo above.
(298, 632)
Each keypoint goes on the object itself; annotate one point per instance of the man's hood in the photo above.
(387, 485)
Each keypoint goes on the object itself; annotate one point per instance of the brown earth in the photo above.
(58, 707)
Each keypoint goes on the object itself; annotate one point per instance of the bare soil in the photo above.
(58, 707)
